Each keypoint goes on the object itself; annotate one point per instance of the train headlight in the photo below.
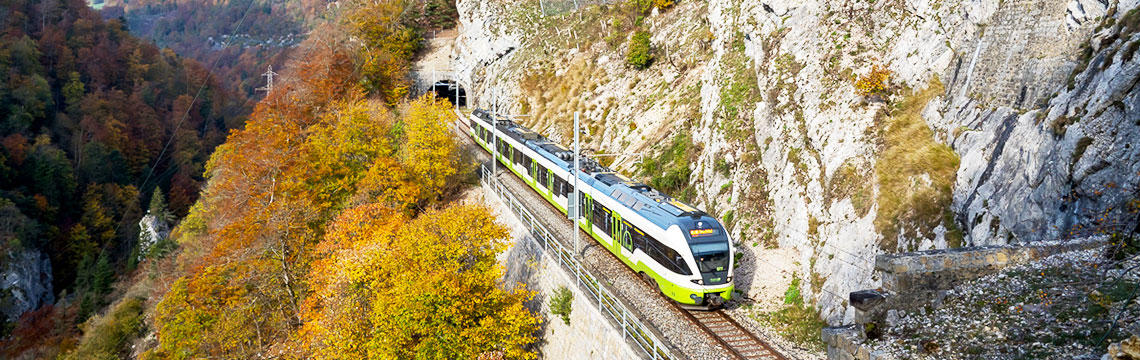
(729, 279)
(699, 282)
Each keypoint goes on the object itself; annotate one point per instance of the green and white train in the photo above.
(684, 251)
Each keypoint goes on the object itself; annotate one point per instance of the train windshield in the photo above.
(711, 257)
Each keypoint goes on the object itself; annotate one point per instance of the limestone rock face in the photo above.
(25, 283)
(152, 229)
(1044, 126)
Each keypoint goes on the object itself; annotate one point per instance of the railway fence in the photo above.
(631, 327)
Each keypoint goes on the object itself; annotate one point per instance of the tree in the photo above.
(157, 206)
(425, 289)
(430, 152)
(48, 171)
(639, 54)
(73, 92)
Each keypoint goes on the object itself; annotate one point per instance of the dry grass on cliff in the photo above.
(551, 100)
(916, 174)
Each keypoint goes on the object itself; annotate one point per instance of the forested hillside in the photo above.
(92, 121)
(242, 37)
(331, 209)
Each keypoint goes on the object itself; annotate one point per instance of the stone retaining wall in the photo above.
(846, 343)
(914, 279)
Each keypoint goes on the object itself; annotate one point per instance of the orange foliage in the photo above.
(274, 263)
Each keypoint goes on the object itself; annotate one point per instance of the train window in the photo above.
(601, 217)
(542, 176)
(565, 192)
(638, 237)
(626, 237)
(667, 257)
(582, 203)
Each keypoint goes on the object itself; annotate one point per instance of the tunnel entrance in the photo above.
(452, 91)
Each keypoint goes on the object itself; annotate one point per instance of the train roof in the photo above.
(652, 204)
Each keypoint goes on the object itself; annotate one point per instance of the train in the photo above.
(683, 251)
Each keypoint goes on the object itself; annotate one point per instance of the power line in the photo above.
(185, 114)
(197, 94)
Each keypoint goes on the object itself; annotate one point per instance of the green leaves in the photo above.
(640, 54)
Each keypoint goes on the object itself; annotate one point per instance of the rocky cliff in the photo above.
(999, 122)
(25, 283)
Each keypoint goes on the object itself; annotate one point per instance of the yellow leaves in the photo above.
(420, 289)
(430, 151)
(305, 236)
(339, 149)
(874, 82)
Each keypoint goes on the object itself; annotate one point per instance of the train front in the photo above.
(712, 254)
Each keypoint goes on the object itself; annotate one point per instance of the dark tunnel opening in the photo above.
(452, 91)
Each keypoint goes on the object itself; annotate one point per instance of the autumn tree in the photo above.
(430, 150)
(424, 289)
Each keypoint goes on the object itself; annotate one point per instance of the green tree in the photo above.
(158, 205)
(73, 92)
(640, 53)
(48, 171)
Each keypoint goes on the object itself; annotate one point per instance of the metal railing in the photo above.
(608, 304)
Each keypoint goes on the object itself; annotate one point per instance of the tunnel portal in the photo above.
(450, 90)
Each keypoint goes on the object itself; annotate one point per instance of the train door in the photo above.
(615, 226)
(587, 210)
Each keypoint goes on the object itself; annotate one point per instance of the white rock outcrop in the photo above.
(152, 229)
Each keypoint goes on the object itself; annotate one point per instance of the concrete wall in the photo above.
(589, 335)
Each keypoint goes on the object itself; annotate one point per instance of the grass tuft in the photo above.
(109, 336)
(916, 173)
(796, 321)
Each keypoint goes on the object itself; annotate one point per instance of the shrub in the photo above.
(560, 303)
(1060, 125)
(109, 336)
(722, 167)
(874, 82)
(669, 172)
(663, 4)
(639, 54)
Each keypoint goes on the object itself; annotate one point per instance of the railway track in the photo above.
(737, 340)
